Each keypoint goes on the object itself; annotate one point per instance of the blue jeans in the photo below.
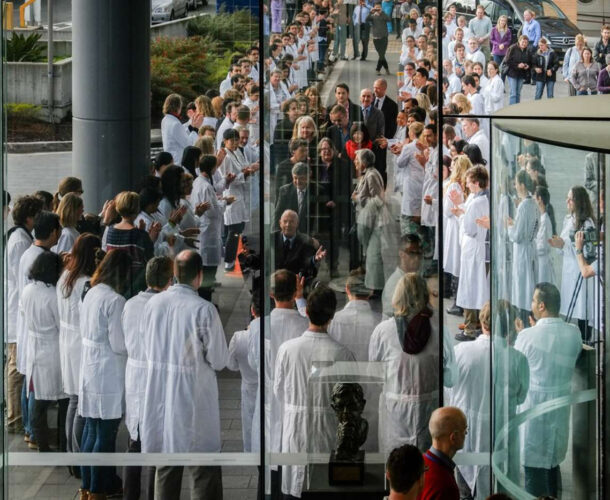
(27, 410)
(584, 92)
(550, 87)
(99, 436)
(340, 40)
(515, 84)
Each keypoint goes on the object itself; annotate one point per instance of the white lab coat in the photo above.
(551, 347)
(473, 288)
(161, 246)
(451, 248)
(583, 308)
(210, 223)
(388, 292)
(411, 388)
(353, 326)
(17, 244)
(546, 272)
(429, 213)
(175, 138)
(480, 139)
(523, 233)
(493, 94)
(70, 343)
(226, 124)
(238, 360)
(42, 321)
(66, 240)
(472, 394)
(238, 211)
(412, 173)
(102, 382)
(135, 371)
(25, 265)
(185, 346)
(254, 351)
(478, 104)
(302, 432)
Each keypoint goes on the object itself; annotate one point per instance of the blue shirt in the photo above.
(356, 15)
(532, 31)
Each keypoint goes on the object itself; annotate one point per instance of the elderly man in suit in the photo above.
(375, 123)
(295, 251)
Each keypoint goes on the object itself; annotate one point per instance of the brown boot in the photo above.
(97, 496)
(83, 494)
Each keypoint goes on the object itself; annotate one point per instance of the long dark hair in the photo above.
(82, 261)
(171, 184)
(190, 159)
(545, 197)
(583, 209)
(114, 271)
(474, 154)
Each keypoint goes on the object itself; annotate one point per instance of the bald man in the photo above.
(448, 428)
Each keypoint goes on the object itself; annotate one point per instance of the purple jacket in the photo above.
(496, 40)
(603, 82)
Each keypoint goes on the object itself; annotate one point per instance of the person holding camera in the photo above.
(577, 297)
(379, 29)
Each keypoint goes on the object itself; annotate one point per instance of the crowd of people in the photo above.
(111, 317)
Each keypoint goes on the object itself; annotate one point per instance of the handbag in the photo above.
(504, 64)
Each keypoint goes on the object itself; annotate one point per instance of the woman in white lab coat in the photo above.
(43, 372)
(546, 230)
(580, 218)
(70, 210)
(86, 254)
(408, 343)
(493, 92)
(103, 357)
(522, 232)
(210, 221)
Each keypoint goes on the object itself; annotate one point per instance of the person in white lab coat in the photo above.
(47, 230)
(429, 205)
(473, 287)
(579, 218)
(210, 221)
(159, 276)
(70, 211)
(410, 257)
(173, 134)
(493, 92)
(472, 394)
(546, 229)
(86, 255)
(408, 343)
(101, 386)
(43, 372)
(18, 240)
(474, 134)
(551, 347)
(237, 214)
(294, 362)
(239, 348)
(522, 232)
(181, 412)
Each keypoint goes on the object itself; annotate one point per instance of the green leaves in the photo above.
(22, 48)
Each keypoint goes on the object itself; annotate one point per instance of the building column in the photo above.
(110, 96)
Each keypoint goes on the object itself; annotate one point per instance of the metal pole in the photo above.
(50, 54)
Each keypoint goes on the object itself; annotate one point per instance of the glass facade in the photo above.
(325, 198)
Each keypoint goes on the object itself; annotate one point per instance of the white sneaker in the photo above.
(229, 266)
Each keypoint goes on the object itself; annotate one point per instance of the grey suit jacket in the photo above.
(375, 123)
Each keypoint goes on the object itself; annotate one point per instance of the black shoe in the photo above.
(354, 58)
(455, 310)
(344, 59)
(463, 337)
(363, 58)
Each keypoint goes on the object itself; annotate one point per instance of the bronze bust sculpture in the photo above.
(348, 402)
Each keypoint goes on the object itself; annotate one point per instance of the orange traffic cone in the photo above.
(236, 272)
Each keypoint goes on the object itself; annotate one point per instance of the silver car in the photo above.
(167, 10)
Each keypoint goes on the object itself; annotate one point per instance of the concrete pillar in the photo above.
(110, 96)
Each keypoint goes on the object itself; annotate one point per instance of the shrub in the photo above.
(19, 111)
(228, 29)
(22, 48)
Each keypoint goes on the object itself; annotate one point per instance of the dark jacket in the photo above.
(299, 259)
(553, 65)
(516, 55)
(375, 123)
(335, 183)
(355, 113)
(335, 134)
(600, 52)
(390, 112)
(312, 212)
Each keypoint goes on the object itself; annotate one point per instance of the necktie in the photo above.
(300, 201)
(286, 246)
(360, 14)
(365, 113)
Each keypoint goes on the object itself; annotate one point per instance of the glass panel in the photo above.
(101, 358)
(546, 326)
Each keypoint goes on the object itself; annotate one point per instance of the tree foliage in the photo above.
(22, 48)
(232, 31)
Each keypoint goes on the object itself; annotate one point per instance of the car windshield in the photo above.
(542, 8)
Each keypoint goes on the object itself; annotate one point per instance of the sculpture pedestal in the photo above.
(342, 472)
(374, 487)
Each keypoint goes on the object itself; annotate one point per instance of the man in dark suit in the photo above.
(304, 199)
(293, 250)
(338, 132)
(354, 113)
(389, 109)
(299, 151)
(375, 124)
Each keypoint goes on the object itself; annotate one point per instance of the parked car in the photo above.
(167, 10)
(554, 24)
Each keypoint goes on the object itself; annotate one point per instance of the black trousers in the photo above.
(381, 46)
(132, 475)
(40, 427)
